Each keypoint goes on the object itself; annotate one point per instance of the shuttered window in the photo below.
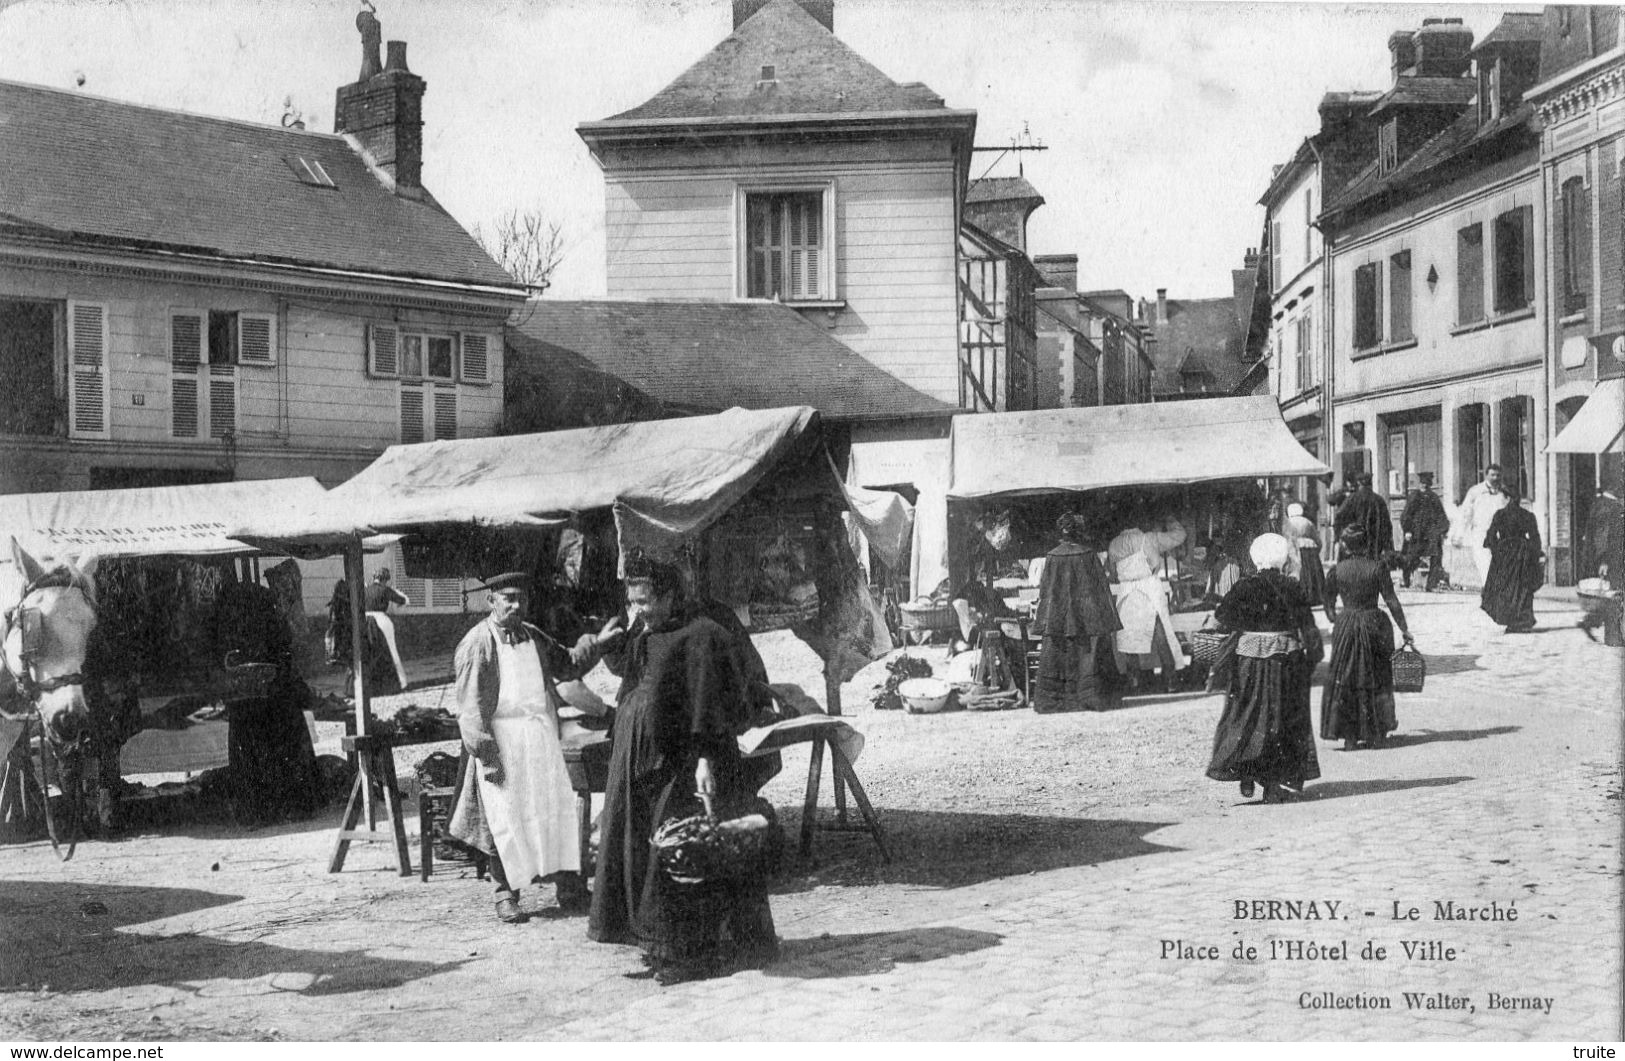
(1514, 259)
(445, 413)
(88, 388)
(412, 413)
(186, 334)
(256, 339)
(383, 350)
(1399, 298)
(203, 349)
(476, 359)
(222, 401)
(1368, 306)
(1470, 274)
(786, 246)
(428, 412)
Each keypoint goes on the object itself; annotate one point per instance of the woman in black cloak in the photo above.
(1265, 736)
(685, 695)
(1358, 704)
(1074, 609)
(1516, 567)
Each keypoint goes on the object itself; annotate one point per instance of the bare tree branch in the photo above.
(526, 244)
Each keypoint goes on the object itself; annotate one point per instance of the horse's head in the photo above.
(47, 633)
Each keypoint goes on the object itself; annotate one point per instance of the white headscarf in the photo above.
(1294, 509)
(1270, 552)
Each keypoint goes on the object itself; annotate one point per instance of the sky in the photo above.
(1162, 120)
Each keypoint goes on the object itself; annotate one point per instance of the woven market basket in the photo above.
(767, 617)
(1410, 671)
(1205, 645)
(929, 617)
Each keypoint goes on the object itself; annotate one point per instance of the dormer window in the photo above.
(769, 73)
(1388, 146)
(1489, 102)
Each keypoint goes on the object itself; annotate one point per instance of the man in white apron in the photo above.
(515, 802)
(1136, 558)
(1478, 506)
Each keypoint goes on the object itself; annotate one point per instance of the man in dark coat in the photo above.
(1604, 556)
(1364, 509)
(1425, 524)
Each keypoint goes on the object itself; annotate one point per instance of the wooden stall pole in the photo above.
(375, 758)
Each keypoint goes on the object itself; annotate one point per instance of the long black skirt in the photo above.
(1509, 591)
(1066, 676)
(1311, 573)
(1358, 702)
(633, 900)
(1265, 734)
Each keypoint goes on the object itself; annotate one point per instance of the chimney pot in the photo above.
(385, 115)
(397, 57)
(1162, 305)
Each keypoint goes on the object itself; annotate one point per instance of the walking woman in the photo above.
(1357, 706)
(1074, 610)
(1265, 736)
(1302, 535)
(1516, 567)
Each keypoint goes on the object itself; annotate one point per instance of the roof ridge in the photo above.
(172, 111)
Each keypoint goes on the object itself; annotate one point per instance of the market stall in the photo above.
(746, 502)
(171, 522)
(1199, 462)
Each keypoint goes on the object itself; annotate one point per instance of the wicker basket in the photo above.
(929, 617)
(1410, 671)
(767, 617)
(1205, 645)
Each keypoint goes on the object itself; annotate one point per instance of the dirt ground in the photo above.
(1002, 825)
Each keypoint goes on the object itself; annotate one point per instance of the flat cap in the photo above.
(508, 580)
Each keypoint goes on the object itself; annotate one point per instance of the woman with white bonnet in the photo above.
(1300, 531)
(1265, 738)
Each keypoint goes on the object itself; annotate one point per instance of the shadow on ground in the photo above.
(944, 849)
(1459, 664)
(871, 953)
(1430, 736)
(62, 936)
(1339, 789)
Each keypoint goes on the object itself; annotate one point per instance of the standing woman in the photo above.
(1074, 609)
(1516, 567)
(1265, 736)
(685, 693)
(1301, 534)
(1357, 706)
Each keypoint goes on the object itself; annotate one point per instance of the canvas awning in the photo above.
(1123, 445)
(182, 520)
(1598, 426)
(666, 479)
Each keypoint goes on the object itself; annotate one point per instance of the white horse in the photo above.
(49, 613)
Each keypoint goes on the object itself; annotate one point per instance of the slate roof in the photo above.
(814, 74)
(710, 356)
(1515, 27)
(1428, 92)
(1201, 336)
(92, 170)
(1001, 189)
(1459, 139)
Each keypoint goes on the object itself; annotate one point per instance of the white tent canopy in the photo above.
(666, 479)
(1124, 445)
(1600, 423)
(182, 520)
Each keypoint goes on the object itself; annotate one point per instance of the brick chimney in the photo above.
(384, 111)
(1251, 259)
(1442, 47)
(1162, 306)
(1058, 270)
(822, 10)
(1402, 45)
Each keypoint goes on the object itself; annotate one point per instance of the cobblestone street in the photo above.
(1048, 873)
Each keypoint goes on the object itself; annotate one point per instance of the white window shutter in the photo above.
(222, 401)
(415, 589)
(445, 412)
(183, 409)
(256, 338)
(88, 397)
(411, 413)
(446, 593)
(476, 359)
(384, 357)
